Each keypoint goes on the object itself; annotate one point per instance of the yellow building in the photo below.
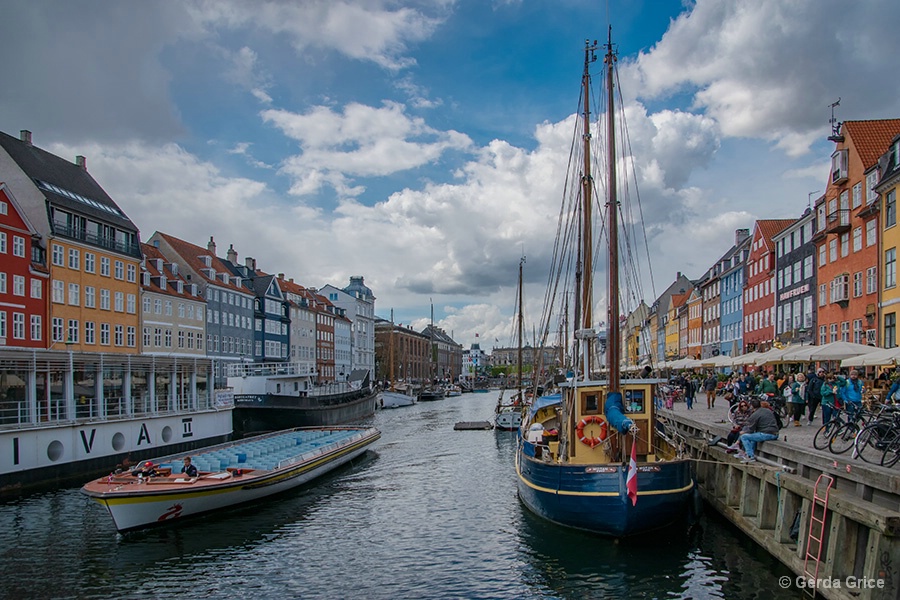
(887, 189)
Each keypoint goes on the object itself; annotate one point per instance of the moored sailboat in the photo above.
(508, 415)
(573, 457)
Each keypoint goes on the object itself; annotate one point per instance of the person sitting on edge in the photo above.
(760, 427)
(188, 468)
(741, 414)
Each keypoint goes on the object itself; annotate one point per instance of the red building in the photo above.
(23, 279)
(847, 234)
(759, 286)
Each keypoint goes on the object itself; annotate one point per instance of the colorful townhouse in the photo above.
(23, 279)
(846, 234)
(732, 277)
(759, 288)
(695, 324)
(795, 282)
(709, 288)
(93, 247)
(302, 334)
(229, 302)
(889, 238)
(358, 304)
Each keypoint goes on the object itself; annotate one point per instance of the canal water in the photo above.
(430, 513)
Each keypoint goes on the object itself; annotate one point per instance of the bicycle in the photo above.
(826, 432)
(872, 440)
(844, 438)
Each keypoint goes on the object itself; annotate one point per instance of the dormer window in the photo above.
(223, 277)
(163, 282)
(207, 260)
(145, 278)
(179, 285)
(159, 264)
(839, 162)
(194, 291)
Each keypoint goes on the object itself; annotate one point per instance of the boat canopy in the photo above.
(548, 400)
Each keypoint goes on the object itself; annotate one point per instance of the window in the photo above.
(90, 333)
(57, 256)
(90, 296)
(120, 270)
(59, 291)
(36, 332)
(857, 284)
(168, 338)
(90, 265)
(130, 338)
(146, 303)
(857, 195)
(890, 268)
(157, 306)
(120, 335)
(74, 294)
(832, 249)
(104, 266)
(36, 288)
(890, 209)
(18, 246)
(104, 299)
(823, 335)
(845, 244)
(104, 334)
(807, 267)
(181, 339)
(57, 329)
(870, 233)
(168, 308)
(798, 271)
(871, 181)
(119, 302)
(871, 280)
(131, 304)
(822, 257)
(834, 332)
(146, 337)
(73, 331)
(132, 274)
(890, 330)
(74, 259)
(157, 337)
(857, 239)
(2, 242)
(18, 285)
(858, 336)
(18, 326)
(845, 331)
(2, 325)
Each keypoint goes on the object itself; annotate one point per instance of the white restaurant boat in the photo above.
(229, 474)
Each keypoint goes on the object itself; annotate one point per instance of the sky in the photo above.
(419, 143)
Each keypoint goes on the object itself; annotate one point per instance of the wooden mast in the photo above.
(587, 185)
(519, 325)
(613, 351)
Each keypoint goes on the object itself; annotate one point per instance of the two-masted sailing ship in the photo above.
(593, 456)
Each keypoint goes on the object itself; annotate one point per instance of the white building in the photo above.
(358, 304)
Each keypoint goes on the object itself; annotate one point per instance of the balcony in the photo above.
(81, 235)
(838, 221)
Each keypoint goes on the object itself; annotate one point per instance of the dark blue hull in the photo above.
(594, 497)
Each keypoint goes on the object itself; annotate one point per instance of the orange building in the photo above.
(759, 286)
(847, 234)
(695, 324)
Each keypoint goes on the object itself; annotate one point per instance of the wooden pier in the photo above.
(853, 547)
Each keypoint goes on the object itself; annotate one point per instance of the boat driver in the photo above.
(188, 468)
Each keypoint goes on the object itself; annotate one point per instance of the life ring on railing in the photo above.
(592, 441)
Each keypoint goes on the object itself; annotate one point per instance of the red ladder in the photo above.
(817, 513)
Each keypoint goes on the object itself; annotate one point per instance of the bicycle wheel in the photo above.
(843, 438)
(871, 441)
(891, 453)
(731, 412)
(823, 436)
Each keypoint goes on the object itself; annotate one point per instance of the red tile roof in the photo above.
(771, 227)
(191, 254)
(872, 138)
(151, 253)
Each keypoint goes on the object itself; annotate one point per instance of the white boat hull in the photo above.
(134, 505)
(508, 419)
(389, 399)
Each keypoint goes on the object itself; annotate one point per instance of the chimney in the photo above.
(211, 246)
(232, 254)
(25, 136)
(740, 235)
(250, 263)
(81, 162)
(281, 277)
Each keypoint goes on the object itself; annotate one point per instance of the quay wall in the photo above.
(861, 542)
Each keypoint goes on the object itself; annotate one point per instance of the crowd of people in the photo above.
(802, 394)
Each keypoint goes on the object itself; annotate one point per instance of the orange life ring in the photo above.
(592, 441)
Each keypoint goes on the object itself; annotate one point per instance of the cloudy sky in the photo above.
(419, 143)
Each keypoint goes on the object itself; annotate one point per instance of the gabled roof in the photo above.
(871, 138)
(151, 254)
(771, 227)
(65, 184)
(191, 253)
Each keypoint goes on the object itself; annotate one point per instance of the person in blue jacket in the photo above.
(850, 391)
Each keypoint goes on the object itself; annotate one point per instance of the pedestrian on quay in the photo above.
(829, 398)
(761, 426)
(797, 398)
(850, 392)
(689, 391)
(814, 392)
(710, 386)
(768, 385)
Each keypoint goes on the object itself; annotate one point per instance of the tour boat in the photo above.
(229, 474)
(595, 456)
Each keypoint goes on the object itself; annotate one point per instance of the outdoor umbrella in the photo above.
(880, 357)
(840, 351)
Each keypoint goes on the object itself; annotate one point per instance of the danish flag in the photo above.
(631, 479)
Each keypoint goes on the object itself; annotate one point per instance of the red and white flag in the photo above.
(631, 479)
